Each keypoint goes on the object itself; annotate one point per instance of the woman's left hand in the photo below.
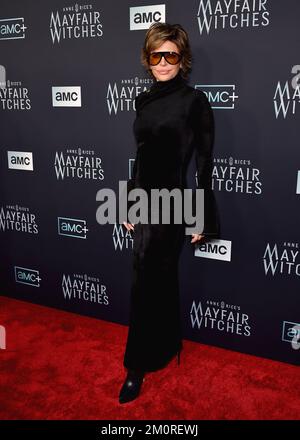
(196, 237)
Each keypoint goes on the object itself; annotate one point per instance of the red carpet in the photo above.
(59, 365)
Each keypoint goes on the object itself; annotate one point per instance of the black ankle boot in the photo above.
(132, 385)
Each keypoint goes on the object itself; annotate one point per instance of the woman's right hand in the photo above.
(129, 226)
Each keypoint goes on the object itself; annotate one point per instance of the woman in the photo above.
(172, 121)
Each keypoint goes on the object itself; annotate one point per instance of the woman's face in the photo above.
(164, 71)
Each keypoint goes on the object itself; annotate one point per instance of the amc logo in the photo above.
(291, 333)
(12, 28)
(72, 227)
(220, 96)
(142, 16)
(24, 275)
(214, 249)
(20, 160)
(66, 96)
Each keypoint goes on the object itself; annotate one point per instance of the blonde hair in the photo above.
(157, 34)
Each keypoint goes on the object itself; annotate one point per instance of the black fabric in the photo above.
(173, 120)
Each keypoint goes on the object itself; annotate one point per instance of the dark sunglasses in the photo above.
(171, 57)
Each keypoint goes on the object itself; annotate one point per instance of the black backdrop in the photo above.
(240, 292)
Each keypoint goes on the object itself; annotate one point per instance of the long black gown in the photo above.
(173, 119)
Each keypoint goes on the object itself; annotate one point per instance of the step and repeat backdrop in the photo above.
(69, 73)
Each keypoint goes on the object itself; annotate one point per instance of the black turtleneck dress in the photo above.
(173, 120)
